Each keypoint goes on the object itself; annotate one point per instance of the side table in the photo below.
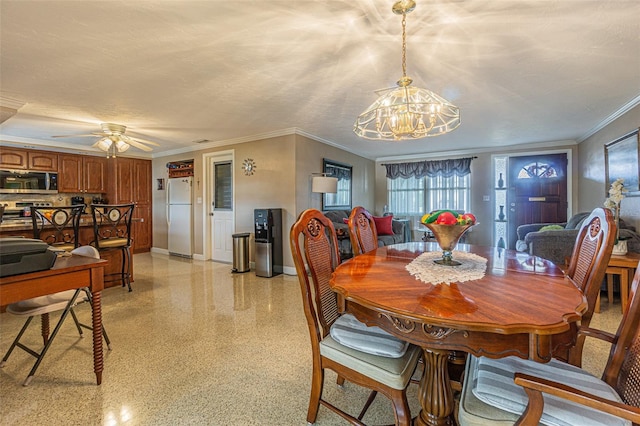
(624, 266)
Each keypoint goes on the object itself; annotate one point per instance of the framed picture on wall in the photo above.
(341, 200)
(621, 161)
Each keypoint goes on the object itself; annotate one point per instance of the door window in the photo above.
(223, 186)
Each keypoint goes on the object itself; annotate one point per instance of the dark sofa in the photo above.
(342, 229)
(557, 245)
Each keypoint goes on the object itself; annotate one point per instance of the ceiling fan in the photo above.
(113, 140)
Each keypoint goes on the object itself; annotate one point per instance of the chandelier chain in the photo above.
(404, 45)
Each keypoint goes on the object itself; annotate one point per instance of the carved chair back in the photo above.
(591, 254)
(587, 268)
(362, 231)
(314, 244)
(57, 226)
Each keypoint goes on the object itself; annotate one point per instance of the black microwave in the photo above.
(28, 182)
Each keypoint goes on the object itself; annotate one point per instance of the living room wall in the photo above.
(591, 179)
(482, 181)
(282, 180)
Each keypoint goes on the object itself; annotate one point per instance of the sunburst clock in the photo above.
(249, 166)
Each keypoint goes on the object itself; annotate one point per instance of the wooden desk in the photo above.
(112, 269)
(625, 267)
(515, 309)
(67, 273)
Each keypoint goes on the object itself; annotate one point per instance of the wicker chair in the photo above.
(571, 394)
(587, 268)
(313, 243)
(362, 231)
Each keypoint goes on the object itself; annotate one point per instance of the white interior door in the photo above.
(221, 207)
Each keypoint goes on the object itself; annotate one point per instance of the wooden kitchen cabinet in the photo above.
(13, 158)
(42, 160)
(82, 173)
(130, 182)
(94, 171)
(16, 158)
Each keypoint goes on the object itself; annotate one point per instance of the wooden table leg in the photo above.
(624, 289)
(436, 396)
(96, 315)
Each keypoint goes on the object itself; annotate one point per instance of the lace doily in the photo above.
(424, 269)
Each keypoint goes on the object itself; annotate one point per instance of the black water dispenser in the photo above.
(268, 237)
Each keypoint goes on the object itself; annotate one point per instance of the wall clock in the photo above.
(249, 166)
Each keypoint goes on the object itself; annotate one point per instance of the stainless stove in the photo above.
(20, 211)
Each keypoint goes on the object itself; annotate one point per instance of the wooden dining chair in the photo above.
(112, 231)
(42, 306)
(57, 226)
(587, 268)
(367, 356)
(571, 395)
(362, 231)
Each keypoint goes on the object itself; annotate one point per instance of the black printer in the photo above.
(24, 255)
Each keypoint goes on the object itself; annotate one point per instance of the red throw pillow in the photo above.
(383, 225)
(345, 220)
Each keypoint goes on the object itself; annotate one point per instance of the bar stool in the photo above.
(112, 231)
(57, 226)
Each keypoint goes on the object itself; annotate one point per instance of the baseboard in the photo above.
(287, 270)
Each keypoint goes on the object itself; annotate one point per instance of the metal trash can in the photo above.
(240, 252)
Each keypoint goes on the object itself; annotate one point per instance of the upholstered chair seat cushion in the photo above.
(350, 332)
(490, 396)
(113, 243)
(393, 372)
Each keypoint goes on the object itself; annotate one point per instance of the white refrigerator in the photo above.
(179, 216)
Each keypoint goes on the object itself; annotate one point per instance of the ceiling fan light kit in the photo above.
(407, 112)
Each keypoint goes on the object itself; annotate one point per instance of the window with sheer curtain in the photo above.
(414, 189)
(417, 196)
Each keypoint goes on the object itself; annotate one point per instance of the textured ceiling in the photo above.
(175, 72)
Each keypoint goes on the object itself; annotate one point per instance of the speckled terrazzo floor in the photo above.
(192, 344)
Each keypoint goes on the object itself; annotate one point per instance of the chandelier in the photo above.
(407, 112)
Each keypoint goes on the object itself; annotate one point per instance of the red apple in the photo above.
(471, 219)
(446, 218)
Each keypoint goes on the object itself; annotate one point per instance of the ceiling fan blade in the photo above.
(138, 145)
(148, 142)
(78, 136)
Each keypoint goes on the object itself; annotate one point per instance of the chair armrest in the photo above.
(597, 334)
(535, 386)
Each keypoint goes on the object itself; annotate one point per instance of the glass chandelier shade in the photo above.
(407, 112)
(112, 145)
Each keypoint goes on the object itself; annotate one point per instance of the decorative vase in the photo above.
(447, 237)
(620, 248)
(501, 214)
(500, 181)
(501, 243)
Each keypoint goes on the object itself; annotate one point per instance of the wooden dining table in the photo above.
(516, 308)
(69, 272)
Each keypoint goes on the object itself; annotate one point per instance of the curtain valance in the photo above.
(420, 169)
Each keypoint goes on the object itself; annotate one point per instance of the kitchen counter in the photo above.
(27, 225)
(111, 271)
